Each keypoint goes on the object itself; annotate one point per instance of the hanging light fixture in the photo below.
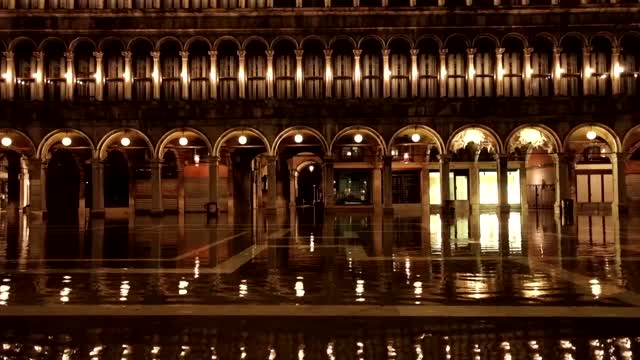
(196, 159)
(6, 141)
(358, 138)
(66, 141)
(125, 141)
(311, 167)
(591, 135)
(415, 137)
(298, 138)
(242, 139)
(183, 141)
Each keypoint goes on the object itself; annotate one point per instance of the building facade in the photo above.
(165, 105)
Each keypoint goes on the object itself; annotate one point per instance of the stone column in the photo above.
(99, 76)
(471, 72)
(213, 74)
(328, 72)
(619, 182)
(43, 186)
(615, 72)
(376, 191)
(503, 180)
(557, 70)
(156, 187)
(39, 91)
(97, 187)
(299, 88)
(386, 72)
(524, 191)
(499, 70)
(425, 201)
(213, 179)
(443, 70)
(587, 70)
(327, 3)
(387, 182)
(527, 70)
(9, 78)
(36, 184)
(329, 199)
(357, 75)
(441, 2)
(563, 179)
(271, 182)
(128, 74)
(24, 179)
(474, 186)
(445, 191)
(414, 72)
(184, 74)
(156, 74)
(69, 75)
(269, 73)
(293, 175)
(241, 74)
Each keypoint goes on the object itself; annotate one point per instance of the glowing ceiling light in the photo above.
(125, 141)
(66, 141)
(473, 136)
(183, 141)
(415, 137)
(298, 138)
(358, 138)
(196, 159)
(6, 141)
(242, 139)
(591, 135)
(311, 167)
(532, 136)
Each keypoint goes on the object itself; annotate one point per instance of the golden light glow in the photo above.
(532, 136)
(125, 141)
(387, 74)
(37, 76)
(298, 138)
(311, 168)
(66, 141)
(559, 71)
(473, 135)
(242, 139)
(358, 138)
(356, 72)
(126, 76)
(241, 74)
(415, 137)
(443, 72)
(472, 71)
(617, 70)
(6, 75)
(528, 72)
(184, 75)
(298, 74)
(591, 135)
(212, 74)
(183, 141)
(6, 141)
(196, 159)
(269, 74)
(68, 76)
(588, 72)
(500, 73)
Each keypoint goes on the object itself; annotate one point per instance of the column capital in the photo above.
(499, 51)
(414, 52)
(386, 52)
(587, 50)
(328, 159)
(444, 51)
(242, 53)
(68, 54)
(98, 54)
(127, 54)
(212, 53)
(327, 53)
(387, 159)
(38, 54)
(269, 53)
(528, 51)
(616, 50)
(357, 52)
(444, 157)
(501, 157)
(156, 161)
(298, 53)
(184, 54)
(214, 160)
(155, 54)
(8, 54)
(471, 51)
(557, 50)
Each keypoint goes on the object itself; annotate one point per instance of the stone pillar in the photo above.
(445, 191)
(270, 74)
(441, 2)
(69, 75)
(499, 70)
(271, 182)
(587, 70)
(615, 70)
(387, 182)
(97, 187)
(503, 180)
(619, 182)
(557, 70)
(156, 187)
(386, 72)
(9, 77)
(425, 201)
(474, 186)
(156, 74)
(128, 74)
(213, 74)
(299, 88)
(357, 75)
(43, 186)
(443, 70)
(471, 72)
(36, 184)
(376, 191)
(24, 180)
(184, 74)
(329, 199)
(524, 191)
(414, 71)
(327, 3)
(38, 75)
(563, 180)
(213, 179)
(527, 70)
(241, 74)
(99, 76)
(293, 177)
(328, 72)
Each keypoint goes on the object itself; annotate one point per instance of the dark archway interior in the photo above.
(10, 185)
(309, 185)
(116, 180)
(63, 187)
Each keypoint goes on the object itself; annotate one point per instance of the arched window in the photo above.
(484, 63)
(512, 68)
(571, 65)
(171, 4)
(400, 69)
(629, 63)
(55, 68)
(199, 71)
(600, 64)
(256, 71)
(228, 71)
(541, 66)
(53, 4)
(85, 71)
(228, 4)
(342, 71)
(201, 4)
(456, 70)
(371, 74)
(142, 72)
(116, 4)
(25, 67)
(89, 4)
(428, 69)
(284, 64)
(113, 63)
(33, 4)
(143, 4)
(170, 69)
(313, 71)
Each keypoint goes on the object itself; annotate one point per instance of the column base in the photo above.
(157, 212)
(97, 213)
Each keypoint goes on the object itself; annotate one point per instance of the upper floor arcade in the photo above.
(225, 68)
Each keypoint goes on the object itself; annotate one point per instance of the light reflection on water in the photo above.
(481, 258)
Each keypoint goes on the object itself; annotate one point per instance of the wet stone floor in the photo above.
(309, 285)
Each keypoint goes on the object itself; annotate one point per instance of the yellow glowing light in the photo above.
(473, 136)
(472, 72)
(443, 72)
(591, 135)
(183, 141)
(298, 138)
(68, 76)
(588, 72)
(311, 168)
(415, 137)
(196, 159)
(532, 136)
(126, 76)
(155, 75)
(529, 72)
(617, 69)
(242, 139)
(6, 141)
(66, 141)
(358, 138)
(6, 75)
(125, 141)
(184, 75)
(387, 74)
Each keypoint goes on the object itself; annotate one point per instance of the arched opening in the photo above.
(284, 70)
(309, 184)
(371, 69)
(228, 84)
(170, 70)
(629, 65)
(113, 63)
(313, 69)
(456, 68)
(484, 66)
(571, 66)
(428, 68)
(400, 69)
(10, 170)
(199, 70)
(343, 64)
(171, 176)
(25, 68)
(631, 146)
(85, 71)
(142, 64)
(256, 70)
(512, 67)
(63, 187)
(598, 72)
(116, 189)
(541, 67)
